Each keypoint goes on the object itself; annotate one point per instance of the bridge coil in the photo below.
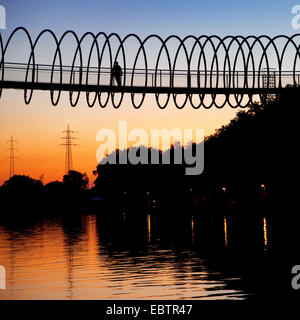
(235, 63)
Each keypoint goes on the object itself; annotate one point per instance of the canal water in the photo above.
(87, 255)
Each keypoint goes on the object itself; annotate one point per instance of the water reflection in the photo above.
(131, 256)
(149, 227)
(192, 227)
(225, 232)
(265, 227)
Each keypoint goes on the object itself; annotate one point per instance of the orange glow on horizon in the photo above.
(38, 129)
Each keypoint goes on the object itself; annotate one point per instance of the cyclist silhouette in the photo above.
(117, 73)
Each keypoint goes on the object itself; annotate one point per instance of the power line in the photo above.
(12, 157)
(68, 143)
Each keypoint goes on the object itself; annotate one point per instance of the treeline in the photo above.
(254, 153)
(251, 155)
(25, 190)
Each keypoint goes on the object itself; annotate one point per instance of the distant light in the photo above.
(224, 189)
(263, 187)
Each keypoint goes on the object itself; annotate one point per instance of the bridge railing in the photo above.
(152, 78)
(200, 88)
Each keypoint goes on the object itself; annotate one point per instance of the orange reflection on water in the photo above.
(193, 232)
(30, 259)
(225, 232)
(80, 258)
(265, 233)
(149, 227)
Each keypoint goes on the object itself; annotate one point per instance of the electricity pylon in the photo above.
(12, 157)
(68, 143)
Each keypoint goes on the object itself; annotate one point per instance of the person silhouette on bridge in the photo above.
(117, 73)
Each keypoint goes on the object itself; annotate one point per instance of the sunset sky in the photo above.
(38, 126)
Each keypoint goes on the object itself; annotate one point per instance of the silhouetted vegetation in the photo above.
(132, 184)
(22, 190)
(247, 160)
(256, 148)
(75, 182)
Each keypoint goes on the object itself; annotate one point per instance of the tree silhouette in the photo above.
(75, 181)
(21, 188)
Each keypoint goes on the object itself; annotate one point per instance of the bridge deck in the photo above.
(138, 89)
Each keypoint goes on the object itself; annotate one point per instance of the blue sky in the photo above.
(163, 17)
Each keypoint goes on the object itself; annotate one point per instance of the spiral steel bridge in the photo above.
(203, 71)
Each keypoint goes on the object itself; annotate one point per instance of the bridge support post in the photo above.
(160, 73)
